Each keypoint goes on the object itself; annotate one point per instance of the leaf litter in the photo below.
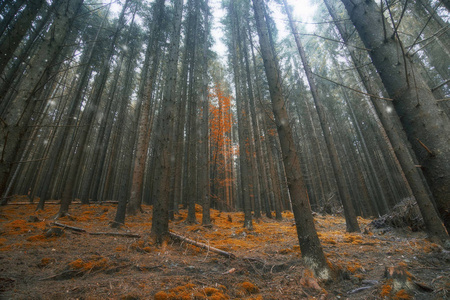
(36, 263)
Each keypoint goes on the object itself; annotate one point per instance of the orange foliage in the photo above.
(220, 124)
(249, 287)
(35, 238)
(190, 291)
(386, 289)
(120, 248)
(46, 261)
(402, 295)
(352, 239)
(97, 263)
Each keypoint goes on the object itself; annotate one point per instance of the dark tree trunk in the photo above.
(426, 125)
(310, 246)
(344, 195)
(12, 40)
(160, 222)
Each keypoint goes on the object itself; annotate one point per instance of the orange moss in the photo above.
(213, 294)
(402, 295)
(17, 227)
(431, 247)
(77, 264)
(161, 295)
(354, 267)
(35, 238)
(259, 297)
(386, 289)
(328, 240)
(285, 251)
(352, 239)
(6, 248)
(98, 264)
(46, 261)
(147, 249)
(120, 248)
(189, 292)
(249, 287)
(2, 241)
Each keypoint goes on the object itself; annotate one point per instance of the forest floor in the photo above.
(38, 261)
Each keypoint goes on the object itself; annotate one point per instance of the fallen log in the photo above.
(201, 245)
(132, 235)
(59, 202)
(358, 290)
(69, 227)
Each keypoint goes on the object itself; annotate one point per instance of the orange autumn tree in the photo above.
(221, 123)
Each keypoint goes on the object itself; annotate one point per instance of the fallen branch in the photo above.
(67, 274)
(59, 202)
(201, 245)
(69, 227)
(359, 289)
(132, 235)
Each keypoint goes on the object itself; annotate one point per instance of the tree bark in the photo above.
(165, 138)
(15, 35)
(310, 246)
(426, 125)
(344, 195)
(15, 128)
(148, 78)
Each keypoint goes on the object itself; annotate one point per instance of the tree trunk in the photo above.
(12, 40)
(245, 166)
(14, 130)
(148, 78)
(310, 246)
(344, 195)
(160, 222)
(426, 125)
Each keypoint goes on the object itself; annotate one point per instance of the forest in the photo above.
(224, 149)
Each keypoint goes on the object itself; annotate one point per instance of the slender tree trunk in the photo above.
(75, 162)
(148, 78)
(190, 189)
(310, 246)
(160, 222)
(344, 195)
(245, 165)
(14, 130)
(15, 35)
(204, 161)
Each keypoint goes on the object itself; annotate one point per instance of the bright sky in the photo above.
(303, 11)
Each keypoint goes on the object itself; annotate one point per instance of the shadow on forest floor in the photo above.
(38, 262)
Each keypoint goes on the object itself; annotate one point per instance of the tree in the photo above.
(13, 38)
(310, 246)
(245, 164)
(160, 223)
(392, 125)
(344, 195)
(426, 125)
(14, 129)
(148, 78)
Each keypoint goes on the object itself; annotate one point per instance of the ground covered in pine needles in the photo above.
(39, 260)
